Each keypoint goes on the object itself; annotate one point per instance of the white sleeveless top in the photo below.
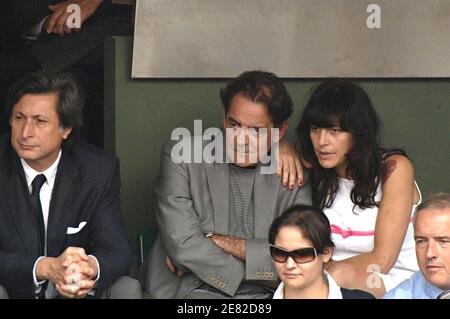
(353, 233)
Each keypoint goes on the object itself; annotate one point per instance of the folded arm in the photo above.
(182, 234)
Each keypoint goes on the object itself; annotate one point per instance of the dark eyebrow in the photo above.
(230, 118)
(442, 237)
(33, 117)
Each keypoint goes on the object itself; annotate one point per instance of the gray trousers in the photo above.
(124, 288)
(245, 291)
(203, 294)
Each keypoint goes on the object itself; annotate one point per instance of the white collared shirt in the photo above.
(334, 291)
(45, 194)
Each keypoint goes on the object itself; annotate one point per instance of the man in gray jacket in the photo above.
(214, 215)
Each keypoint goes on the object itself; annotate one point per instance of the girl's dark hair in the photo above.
(343, 103)
(312, 222)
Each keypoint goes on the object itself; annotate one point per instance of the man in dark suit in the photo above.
(41, 30)
(61, 230)
(36, 35)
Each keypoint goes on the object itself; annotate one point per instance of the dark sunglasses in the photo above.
(300, 256)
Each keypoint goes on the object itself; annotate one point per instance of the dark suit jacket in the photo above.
(86, 189)
(54, 52)
(29, 12)
(355, 294)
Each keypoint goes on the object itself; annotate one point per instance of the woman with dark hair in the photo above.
(368, 193)
(300, 246)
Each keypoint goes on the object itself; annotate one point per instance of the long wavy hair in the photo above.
(343, 103)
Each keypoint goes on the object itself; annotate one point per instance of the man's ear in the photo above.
(282, 130)
(66, 132)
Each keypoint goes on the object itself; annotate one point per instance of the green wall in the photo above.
(140, 115)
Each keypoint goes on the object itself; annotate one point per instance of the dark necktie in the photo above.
(38, 181)
(444, 295)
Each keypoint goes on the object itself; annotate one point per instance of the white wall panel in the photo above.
(293, 38)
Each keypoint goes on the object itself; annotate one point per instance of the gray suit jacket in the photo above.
(192, 200)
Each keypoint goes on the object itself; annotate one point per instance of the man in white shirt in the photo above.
(432, 235)
(61, 232)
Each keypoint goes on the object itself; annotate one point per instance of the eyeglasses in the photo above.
(300, 256)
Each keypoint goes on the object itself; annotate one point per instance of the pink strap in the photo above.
(348, 232)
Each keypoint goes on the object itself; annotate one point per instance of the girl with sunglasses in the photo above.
(368, 193)
(300, 246)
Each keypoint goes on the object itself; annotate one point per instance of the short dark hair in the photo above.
(313, 223)
(439, 201)
(70, 97)
(260, 87)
